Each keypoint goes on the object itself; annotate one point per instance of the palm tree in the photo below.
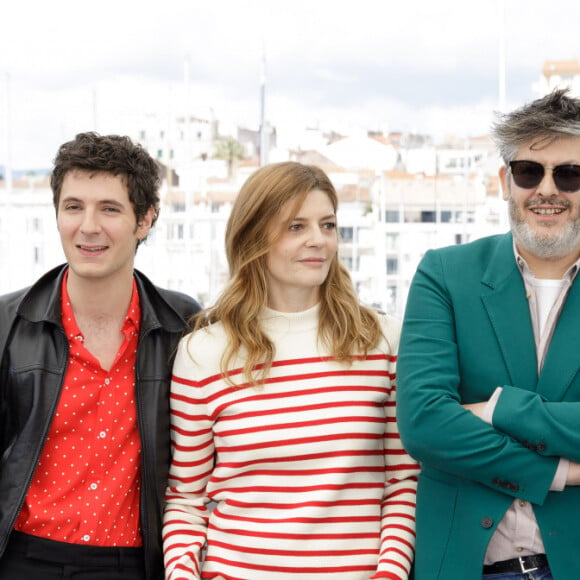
(231, 150)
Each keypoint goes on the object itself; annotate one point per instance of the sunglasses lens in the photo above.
(527, 174)
(567, 178)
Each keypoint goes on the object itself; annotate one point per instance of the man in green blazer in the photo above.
(489, 371)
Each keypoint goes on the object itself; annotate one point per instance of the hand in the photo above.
(573, 477)
(476, 408)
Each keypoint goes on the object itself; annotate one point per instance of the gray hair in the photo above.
(545, 119)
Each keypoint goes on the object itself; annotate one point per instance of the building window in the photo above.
(391, 298)
(350, 263)
(346, 234)
(392, 216)
(392, 242)
(392, 266)
(34, 225)
(428, 216)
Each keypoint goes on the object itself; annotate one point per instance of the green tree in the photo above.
(231, 150)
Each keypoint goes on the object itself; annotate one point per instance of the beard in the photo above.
(542, 242)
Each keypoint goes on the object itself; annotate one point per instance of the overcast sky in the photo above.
(424, 65)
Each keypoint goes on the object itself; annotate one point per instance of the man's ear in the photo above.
(145, 223)
(504, 181)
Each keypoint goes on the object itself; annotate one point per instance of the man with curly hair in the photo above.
(86, 356)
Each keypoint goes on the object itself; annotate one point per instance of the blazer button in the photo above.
(486, 522)
(541, 447)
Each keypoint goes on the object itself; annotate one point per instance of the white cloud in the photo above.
(417, 64)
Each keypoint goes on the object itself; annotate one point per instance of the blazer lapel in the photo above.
(562, 360)
(504, 298)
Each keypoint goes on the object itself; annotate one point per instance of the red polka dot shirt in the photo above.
(86, 486)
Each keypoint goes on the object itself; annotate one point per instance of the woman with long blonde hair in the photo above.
(283, 407)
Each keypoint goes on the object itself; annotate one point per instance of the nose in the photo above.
(547, 186)
(316, 237)
(89, 223)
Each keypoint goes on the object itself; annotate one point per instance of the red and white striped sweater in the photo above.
(306, 474)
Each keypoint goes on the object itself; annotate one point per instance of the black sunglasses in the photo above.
(529, 174)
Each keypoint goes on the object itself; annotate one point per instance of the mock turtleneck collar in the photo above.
(275, 321)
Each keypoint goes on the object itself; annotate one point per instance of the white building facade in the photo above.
(387, 220)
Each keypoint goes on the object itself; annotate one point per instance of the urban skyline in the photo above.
(400, 194)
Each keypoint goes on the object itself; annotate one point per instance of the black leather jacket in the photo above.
(34, 359)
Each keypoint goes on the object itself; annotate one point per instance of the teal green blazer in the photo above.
(467, 330)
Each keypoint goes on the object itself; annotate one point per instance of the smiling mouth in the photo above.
(91, 248)
(547, 210)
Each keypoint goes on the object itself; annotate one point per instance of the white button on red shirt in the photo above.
(87, 483)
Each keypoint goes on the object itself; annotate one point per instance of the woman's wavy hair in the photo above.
(346, 327)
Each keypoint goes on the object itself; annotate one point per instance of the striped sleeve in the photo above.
(186, 512)
(398, 509)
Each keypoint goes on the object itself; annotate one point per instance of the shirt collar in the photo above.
(570, 274)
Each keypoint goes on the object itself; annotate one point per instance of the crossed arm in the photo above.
(526, 416)
(443, 363)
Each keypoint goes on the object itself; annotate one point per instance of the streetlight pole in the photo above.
(263, 126)
(8, 163)
(501, 63)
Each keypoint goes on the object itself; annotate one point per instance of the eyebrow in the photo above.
(100, 202)
(326, 217)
